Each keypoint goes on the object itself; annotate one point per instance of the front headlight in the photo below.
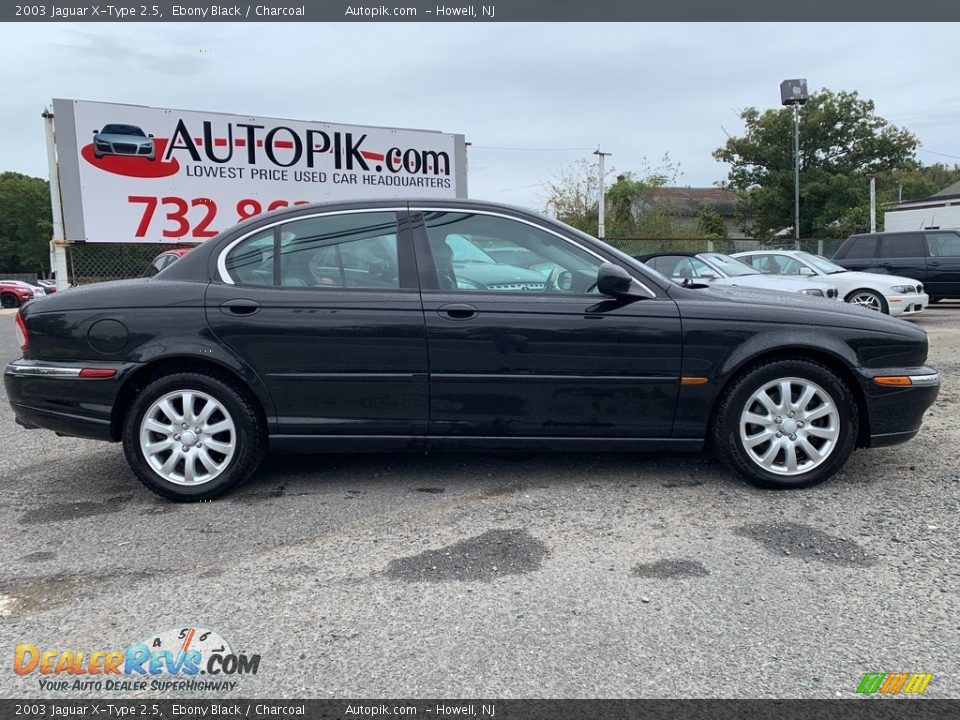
(903, 289)
(813, 291)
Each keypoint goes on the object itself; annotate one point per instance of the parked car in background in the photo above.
(930, 257)
(717, 269)
(886, 293)
(165, 259)
(13, 293)
(49, 286)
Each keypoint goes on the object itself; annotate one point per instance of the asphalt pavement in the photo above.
(559, 576)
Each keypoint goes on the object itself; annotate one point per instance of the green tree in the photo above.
(710, 223)
(842, 142)
(25, 223)
(572, 195)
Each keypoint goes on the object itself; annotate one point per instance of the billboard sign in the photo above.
(130, 173)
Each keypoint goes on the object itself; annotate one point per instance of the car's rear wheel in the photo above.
(868, 299)
(787, 424)
(9, 300)
(191, 436)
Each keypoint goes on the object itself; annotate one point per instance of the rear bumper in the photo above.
(52, 396)
(895, 413)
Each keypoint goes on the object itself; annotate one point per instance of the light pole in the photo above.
(794, 92)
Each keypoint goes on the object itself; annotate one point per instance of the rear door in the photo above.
(528, 347)
(903, 254)
(943, 264)
(327, 310)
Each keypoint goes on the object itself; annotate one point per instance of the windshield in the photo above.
(122, 130)
(730, 266)
(821, 264)
(622, 256)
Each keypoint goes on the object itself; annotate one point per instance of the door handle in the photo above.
(934, 263)
(239, 306)
(457, 311)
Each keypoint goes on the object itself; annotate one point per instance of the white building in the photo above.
(940, 211)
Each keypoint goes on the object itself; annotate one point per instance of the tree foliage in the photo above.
(842, 142)
(25, 223)
(574, 192)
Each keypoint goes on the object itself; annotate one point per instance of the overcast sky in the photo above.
(550, 92)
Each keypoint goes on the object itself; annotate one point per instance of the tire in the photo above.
(868, 299)
(832, 431)
(220, 460)
(9, 300)
(934, 300)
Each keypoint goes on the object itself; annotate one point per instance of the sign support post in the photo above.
(58, 250)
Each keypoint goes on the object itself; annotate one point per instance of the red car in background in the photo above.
(14, 293)
(165, 259)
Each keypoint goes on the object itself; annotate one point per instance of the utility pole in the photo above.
(601, 230)
(873, 203)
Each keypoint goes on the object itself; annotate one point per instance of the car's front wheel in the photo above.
(787, 424)
(192, 436)
(9, 300)
(868, 299)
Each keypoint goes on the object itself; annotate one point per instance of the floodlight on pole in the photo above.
(794, 92)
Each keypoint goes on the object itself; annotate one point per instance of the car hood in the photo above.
(494, 273)
(134, 139)
(865, 277)
(812, 310)
(769, 282)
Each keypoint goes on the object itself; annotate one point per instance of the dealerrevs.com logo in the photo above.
(185, 659)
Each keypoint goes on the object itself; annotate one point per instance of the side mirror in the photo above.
(807, 272)
(150, 135)
(96, 132)
(708, 276)
(613, 280)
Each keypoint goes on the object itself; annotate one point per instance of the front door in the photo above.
(326, 309)
(943, 264)
(521, 344)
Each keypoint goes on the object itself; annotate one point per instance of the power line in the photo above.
(494, 147)
(932, 152)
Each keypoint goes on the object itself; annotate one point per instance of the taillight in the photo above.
(23, 337)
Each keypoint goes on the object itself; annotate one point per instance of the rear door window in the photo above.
(907, 245)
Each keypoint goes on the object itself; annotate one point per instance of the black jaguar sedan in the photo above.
(368, 326)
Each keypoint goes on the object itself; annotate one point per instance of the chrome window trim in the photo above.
(222, 258)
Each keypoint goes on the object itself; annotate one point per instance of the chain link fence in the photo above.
(92, 263)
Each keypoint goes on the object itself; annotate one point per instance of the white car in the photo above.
(887, 293)
(710, 268)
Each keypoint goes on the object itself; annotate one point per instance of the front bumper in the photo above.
(900, 305)
(895, 413)
(53, 396)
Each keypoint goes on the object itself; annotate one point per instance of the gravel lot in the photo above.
(474, 575)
